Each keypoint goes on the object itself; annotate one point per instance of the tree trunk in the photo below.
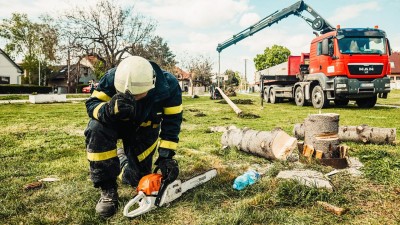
(362, 134)
(274, 144)
(321, 133)
(231, 104)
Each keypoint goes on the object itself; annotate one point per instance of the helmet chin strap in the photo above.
(154, 78)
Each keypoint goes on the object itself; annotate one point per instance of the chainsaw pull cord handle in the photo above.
(144, 206)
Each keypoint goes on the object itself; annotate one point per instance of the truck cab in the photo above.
(351, 64)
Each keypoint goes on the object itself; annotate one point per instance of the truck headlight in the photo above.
(387, 85)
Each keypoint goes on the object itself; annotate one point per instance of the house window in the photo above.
(4, 80)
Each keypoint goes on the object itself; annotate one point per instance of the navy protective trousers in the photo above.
(101, 144)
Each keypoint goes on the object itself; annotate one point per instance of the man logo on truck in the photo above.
(366, 70)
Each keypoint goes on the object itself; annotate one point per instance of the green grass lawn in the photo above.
(26, 96)
(46, 140)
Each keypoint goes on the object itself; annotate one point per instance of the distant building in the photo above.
(395, 70)
(10, 72)
(80, 73)
(184, 78)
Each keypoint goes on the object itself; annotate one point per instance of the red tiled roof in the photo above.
(395, 58)
(182, 75)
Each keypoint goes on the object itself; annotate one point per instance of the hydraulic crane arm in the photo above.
(318, 24)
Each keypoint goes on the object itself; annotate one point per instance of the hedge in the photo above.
(24, 89)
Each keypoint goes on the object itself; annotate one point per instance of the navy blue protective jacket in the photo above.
(160, 113)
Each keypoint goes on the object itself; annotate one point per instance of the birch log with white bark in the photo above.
(361, 134)
(231, 104)
(275, 144)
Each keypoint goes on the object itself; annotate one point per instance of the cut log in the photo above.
(231, 104)
(320, 125)
(274, 144)
(366, 134)
(298, 130)
(361, 134)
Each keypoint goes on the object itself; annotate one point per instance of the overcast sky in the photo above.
(197, 26)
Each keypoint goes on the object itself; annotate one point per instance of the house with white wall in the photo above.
(10, 72)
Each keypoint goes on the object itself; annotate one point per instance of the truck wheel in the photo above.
(299, 96)
(318, 97)
(266, 99)
(272, 97)
(341, 102)
(366, 103)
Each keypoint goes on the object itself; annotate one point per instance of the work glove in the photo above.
(168, 166)
(121, 107)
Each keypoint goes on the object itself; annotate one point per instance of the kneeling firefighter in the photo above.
(142, 105)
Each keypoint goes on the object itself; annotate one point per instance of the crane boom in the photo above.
(318, 24)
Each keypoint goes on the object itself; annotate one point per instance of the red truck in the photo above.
(343, 64)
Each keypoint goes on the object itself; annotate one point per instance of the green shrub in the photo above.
(24, 89)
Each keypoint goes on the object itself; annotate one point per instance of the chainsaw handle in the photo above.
(146, 203)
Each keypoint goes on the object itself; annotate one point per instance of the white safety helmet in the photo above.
(134, 74)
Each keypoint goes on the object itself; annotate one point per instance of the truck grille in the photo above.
(365, 69)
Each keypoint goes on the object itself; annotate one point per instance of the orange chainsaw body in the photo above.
(150, 184)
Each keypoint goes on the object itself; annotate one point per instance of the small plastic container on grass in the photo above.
(246, 179)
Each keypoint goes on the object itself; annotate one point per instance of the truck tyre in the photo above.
(341, 102)
(272, 97)
(299, 96)
(366, 103)
(318, 97)
(266, 97)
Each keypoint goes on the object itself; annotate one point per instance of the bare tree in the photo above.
(106, 29)
(158, 51)
(200, 68)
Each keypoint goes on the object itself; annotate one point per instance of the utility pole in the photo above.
(245, 74)
(219, 68)
(40, 46)
(39, 70)
(68, 69)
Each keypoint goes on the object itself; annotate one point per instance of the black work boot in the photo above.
(108, 202)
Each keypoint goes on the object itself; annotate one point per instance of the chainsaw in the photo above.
(153, 193)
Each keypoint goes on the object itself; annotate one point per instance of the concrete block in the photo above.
(47, 98)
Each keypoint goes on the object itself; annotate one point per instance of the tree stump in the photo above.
(321, 132)
(328, 145)
(274, 144)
